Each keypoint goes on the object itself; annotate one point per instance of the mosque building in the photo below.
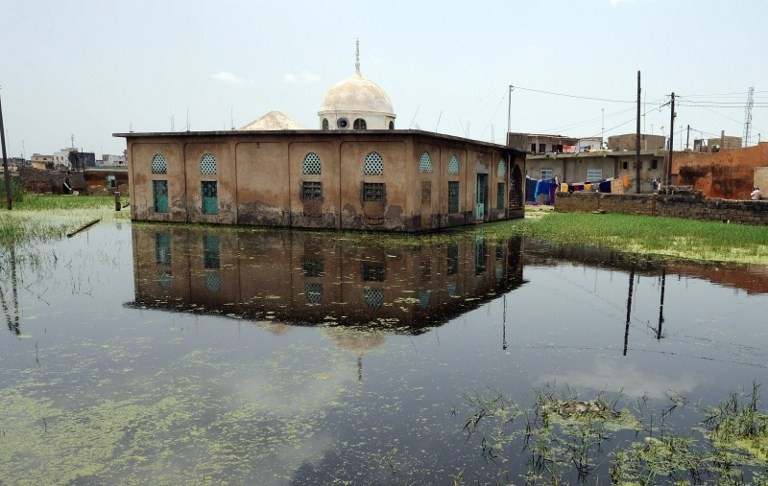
(357, 171)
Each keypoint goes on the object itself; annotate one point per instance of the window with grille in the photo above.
(312, 165)
(452, 288)
(501, 170)
(325, 124)
(359, 124)
(500, 195)
(213, 282)
(374, 164)
(453, 197)
(425, 164)
(373, 191)
(313, 291)
(546, 174)
(210, 197)
(453, 165)
(424, 297)
(160, 196)
(208, 165)
(594, 175)
(164, 279)
(311, 190)
(374, 297)
(159, 164)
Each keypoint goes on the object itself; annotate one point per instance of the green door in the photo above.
(210, 194)
(482, 195)
(160, 196)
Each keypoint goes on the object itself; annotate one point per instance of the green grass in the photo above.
(647, 235)
(40, 217)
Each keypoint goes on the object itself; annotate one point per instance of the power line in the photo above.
(573, 96)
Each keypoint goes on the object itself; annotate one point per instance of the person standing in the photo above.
(67, 186)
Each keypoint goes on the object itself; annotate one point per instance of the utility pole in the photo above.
(509, 113)
(688, 137)
(671, 138)
(637, 139)
(6, 172)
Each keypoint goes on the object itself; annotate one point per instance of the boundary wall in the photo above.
(687, 205)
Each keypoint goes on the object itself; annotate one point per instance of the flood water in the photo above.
(174, 355)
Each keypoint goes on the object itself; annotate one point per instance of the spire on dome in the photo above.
(357, 56)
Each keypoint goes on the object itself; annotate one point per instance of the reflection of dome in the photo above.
(356, 103)
(274, 120)
(357, 94)
(358, 341)
(355, 340)
(275, 327)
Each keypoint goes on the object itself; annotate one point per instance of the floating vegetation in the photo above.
(569, 439)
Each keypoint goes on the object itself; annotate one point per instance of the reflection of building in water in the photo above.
(310, 278)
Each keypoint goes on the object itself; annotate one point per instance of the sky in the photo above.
(74, 73)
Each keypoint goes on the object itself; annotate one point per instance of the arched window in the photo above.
(360, 124)
(425, 164)
(501, 171)
(391, 125)
(374, 164)
(208, 165)
(325, 124)
(312, 164)
(374, 297)
(159, 164)
(313, 292)
(453, 165)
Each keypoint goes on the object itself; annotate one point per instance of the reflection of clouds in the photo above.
(618, 376)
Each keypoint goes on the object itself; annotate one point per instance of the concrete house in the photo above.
(355, 172)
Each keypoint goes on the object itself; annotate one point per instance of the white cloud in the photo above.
(229, 78)
(304, 77)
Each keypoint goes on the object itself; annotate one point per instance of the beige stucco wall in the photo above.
(259, 178)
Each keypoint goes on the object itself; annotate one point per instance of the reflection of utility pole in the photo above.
(661, 301)
(504, 325)
(13, 322)
(629, 308)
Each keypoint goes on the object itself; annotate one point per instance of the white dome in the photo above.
(357, 94)
(274, 120)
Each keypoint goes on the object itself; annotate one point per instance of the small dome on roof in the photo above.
(357, 94)
(274, 120)
(356, 103)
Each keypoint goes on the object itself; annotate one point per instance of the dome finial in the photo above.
(357, 56)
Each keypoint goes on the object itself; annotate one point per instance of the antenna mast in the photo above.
(748, 116)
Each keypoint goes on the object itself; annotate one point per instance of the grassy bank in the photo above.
(38, 217)
(647, 235)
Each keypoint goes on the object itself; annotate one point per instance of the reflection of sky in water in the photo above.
(155, 394)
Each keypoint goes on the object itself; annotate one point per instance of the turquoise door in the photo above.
(160, 196)
(482, 196)
(210, 197)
